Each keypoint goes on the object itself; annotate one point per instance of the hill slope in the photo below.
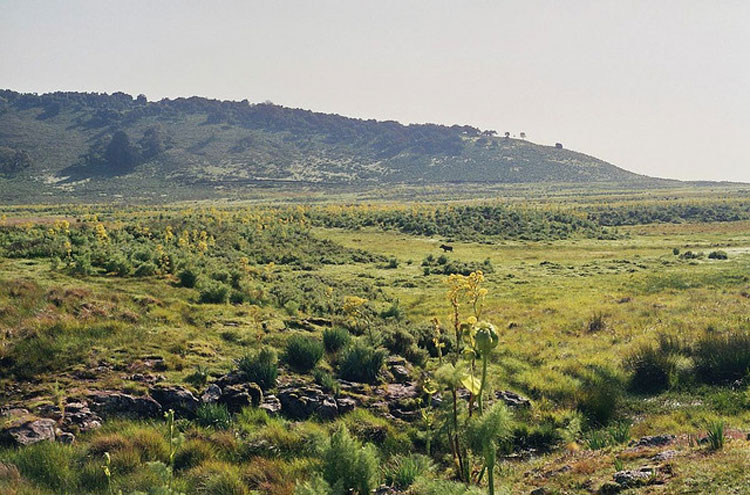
(85, 142)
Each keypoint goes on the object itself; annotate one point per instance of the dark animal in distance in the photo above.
(446, 248)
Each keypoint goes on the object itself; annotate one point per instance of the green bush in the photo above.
(213, 416)
(261, 368)
(326, 381)
(212, 292)
(722, 358)
(335, 339)
(146, 269)
(361, 363)
(118, 265)
(349, 467)
(187, 277)
(303, 353)
(718, 255)
(651, 369)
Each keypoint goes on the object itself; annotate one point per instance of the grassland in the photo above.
(571, 312)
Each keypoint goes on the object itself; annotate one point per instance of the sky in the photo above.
(657, 87)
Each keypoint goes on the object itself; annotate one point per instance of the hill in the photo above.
(84, 144)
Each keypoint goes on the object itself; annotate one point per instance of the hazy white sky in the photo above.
(657, 87)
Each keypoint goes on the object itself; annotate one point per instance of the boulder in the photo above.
(109, 403)
(234, 377)
(212, 394)
(271, 404)
(80, 418)
(237, 397)
(346, 404)
(30, 432)
(632, 479)
(179, 399)
(302, 401)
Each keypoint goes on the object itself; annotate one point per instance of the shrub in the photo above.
(715, 435)
(261, 368)
(394, 311)
(212, 292)
(335, 339)
(326, 381)
(403, 471)
(651, 369)
(303, 353)
(118, 265)
(213, 416)
(349, 467)
(361, 363)
(145, 269)
(187, 278)
(718, 255)
(721, 358)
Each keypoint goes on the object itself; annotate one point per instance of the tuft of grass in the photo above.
(213, 416)
(651, 369)
(597, 440)
(361, 363)
(302, 353)
(403, 470)
(335, 339)
(596, 323)
(721, 358)
(260, 367)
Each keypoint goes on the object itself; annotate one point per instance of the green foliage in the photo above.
(652, 369)
(216, 478)
(715, 435)
(326, 381)
(50, 464)
(192, 453)
(721, 358)
(302, 353)
(348, 466)
(213, 292)
(335, 339)
(597, 440)
(403, 470)
(214, 416)
(260, 367)
(600, 394)
(361, 363)
(187, 277)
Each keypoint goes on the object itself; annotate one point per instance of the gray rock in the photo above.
(302, 401)
(653, 441)
(665, 456)
(234, 377)
(212, 394)
(271, 404)
(631, 479)
(79, 417)
(65, 437)
(237, 397)
(512, 399)
(346, 404)
(110, 403)
(30, 432)
(179, 399)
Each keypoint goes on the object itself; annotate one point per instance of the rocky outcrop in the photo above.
(652, 441)
(237, 397)
(110, 403)
(29, 432)
(179, 399)
(80, 418)
(302, 401)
